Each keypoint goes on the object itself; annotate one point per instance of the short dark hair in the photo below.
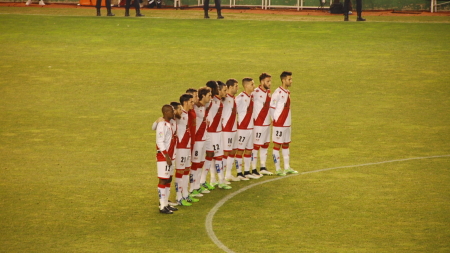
(203, 91)
(214, 87)
(246, 79)
(284, 74)
(185, 97)
(191, 90)
(166, 108)
(175, 104)
(231, 82)
(221, 84)
(264, 76)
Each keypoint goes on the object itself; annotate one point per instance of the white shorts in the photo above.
(164, 171)
(281, 135)
(261, 135)
(213, 143)
(245, 139)
(229, 141)
(183, 159)
(198, 153)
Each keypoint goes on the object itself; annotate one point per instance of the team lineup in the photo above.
(212, 128)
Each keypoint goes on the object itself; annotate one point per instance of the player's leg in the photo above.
(278, 140)
(179, 173)
(163, 175)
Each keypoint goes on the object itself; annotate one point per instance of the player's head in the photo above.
(248, 84)
(187, 101)
(177, 109)
(222, 89)
(265, 80)
(232, 86)
(168, 112)
(204, 95)
(194, 94)
(286, 79)
(214, 87)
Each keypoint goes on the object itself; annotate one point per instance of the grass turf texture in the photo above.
(78, 96)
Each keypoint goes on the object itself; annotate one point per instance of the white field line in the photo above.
(212, 212)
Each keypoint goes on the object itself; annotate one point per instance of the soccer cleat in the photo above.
(196, 193)
(232, 179)
(191, 199)
(241, 177)
(171, 208)
(41, 3)
(360, 19)
(290, 171)
(208, 186)
(171, 203)
(203, 189)
(224, 186)
(184, 202)
(165, 210)
(248, 175)
(28, 2)
(264, 171)
(215, 184)
(280, 173)
(256, 173)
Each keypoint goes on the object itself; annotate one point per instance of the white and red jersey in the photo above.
(201, 112)
(244, 105)
(183, 132)
(192, 125)
(261, 103)
(229, 123)
(280, 104)
(214, 117)
(166, 141)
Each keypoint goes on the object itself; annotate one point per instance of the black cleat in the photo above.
(165, 210)
(171, 208)
(360, 19)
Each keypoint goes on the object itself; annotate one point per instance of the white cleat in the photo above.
(251, 176)
(242, 178)
(41, 3)
(28, 2)
(232, 179)
(265, 172)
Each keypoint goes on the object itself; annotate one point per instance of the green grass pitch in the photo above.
(78, 95)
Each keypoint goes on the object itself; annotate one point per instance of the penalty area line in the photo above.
(212, 212)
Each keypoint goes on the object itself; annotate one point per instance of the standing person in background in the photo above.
(136, 6)
(358, 10)
(108, 7)
(261, 131)
(166, 141)
(229, 128)
(280, 105)
(218, 8)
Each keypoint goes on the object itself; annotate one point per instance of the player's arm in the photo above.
(160, 119)
(160, 133)
(273, 106)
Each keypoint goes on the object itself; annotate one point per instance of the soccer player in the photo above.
(166, 141)
(198, 151)
(192, 129)
(214, 150)
(261, 131)
(229, 127)
(183, 157)
(244, 104)
(280, 105)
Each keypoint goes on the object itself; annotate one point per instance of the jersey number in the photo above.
(241, 138)
(278, 133)
(258, 135)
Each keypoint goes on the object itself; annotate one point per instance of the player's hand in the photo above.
(168, 160)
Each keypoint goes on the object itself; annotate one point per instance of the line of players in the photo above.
(211, 128)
